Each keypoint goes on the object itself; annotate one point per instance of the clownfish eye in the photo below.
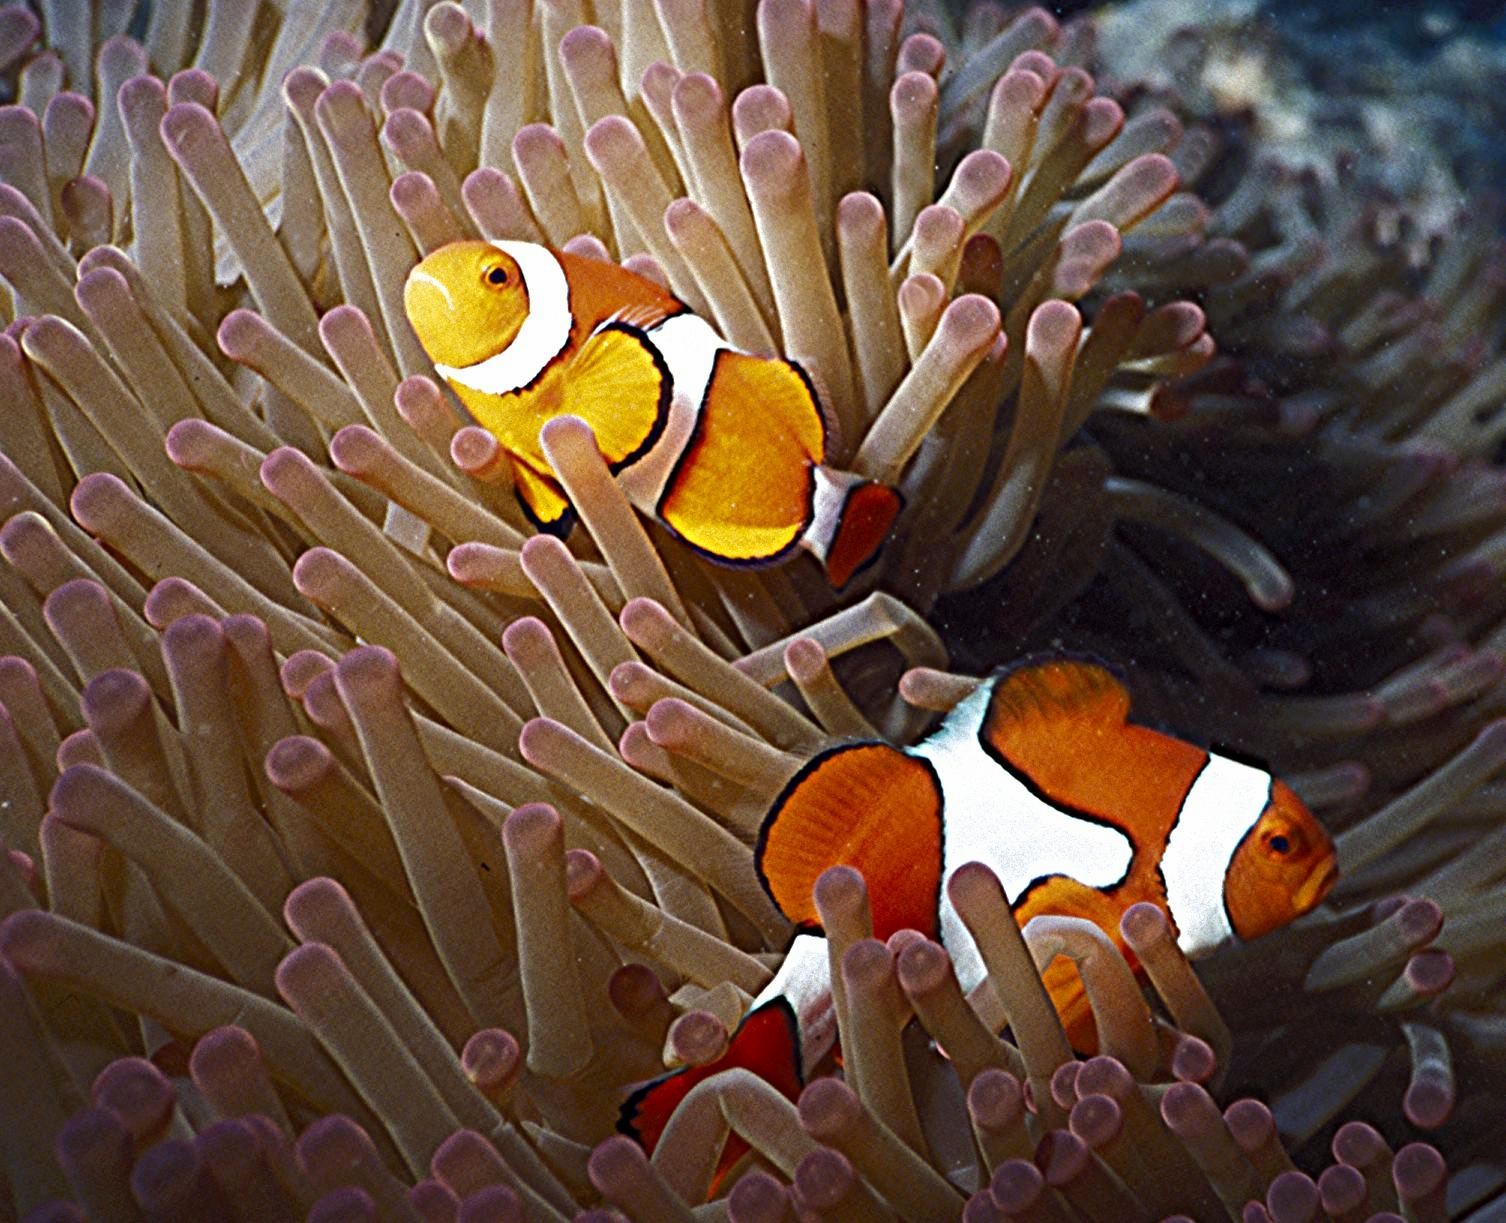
(495, 275)
(1279, 844)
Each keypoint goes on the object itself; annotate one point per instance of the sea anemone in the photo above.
(363, 848)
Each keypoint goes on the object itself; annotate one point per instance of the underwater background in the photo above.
(363, 848)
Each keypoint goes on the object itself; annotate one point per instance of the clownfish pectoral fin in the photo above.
(851, 520)
(542, 499)
(1064, 984)
(767, 1043)
(865, 805)
(619, 385)
(1067, 897)
(742, 489)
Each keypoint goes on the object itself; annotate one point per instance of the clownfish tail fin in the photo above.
(766, 1043)
(849, 523)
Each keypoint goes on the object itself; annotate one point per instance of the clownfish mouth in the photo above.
(1315, 887)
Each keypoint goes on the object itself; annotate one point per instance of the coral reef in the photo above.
(362, 848)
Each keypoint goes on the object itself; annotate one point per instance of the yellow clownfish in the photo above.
(723, 447)
(1040, 775)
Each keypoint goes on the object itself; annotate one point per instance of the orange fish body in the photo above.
(1040, 775)
(723, 447)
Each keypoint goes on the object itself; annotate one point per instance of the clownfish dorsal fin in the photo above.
(601, 290)
(865, 805)
(1060, 725)
(1057, 688)
(640, 314)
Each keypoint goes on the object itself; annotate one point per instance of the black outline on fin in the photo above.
(750, 562)
(628, 1112)
(776, 808)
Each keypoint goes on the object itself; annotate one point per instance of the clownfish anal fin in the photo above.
(619, 385)
(742, 490)
(865, 805)
(767, 1043)
(542, 499)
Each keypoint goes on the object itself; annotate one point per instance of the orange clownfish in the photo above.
(723, 447)
(1040, 775)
